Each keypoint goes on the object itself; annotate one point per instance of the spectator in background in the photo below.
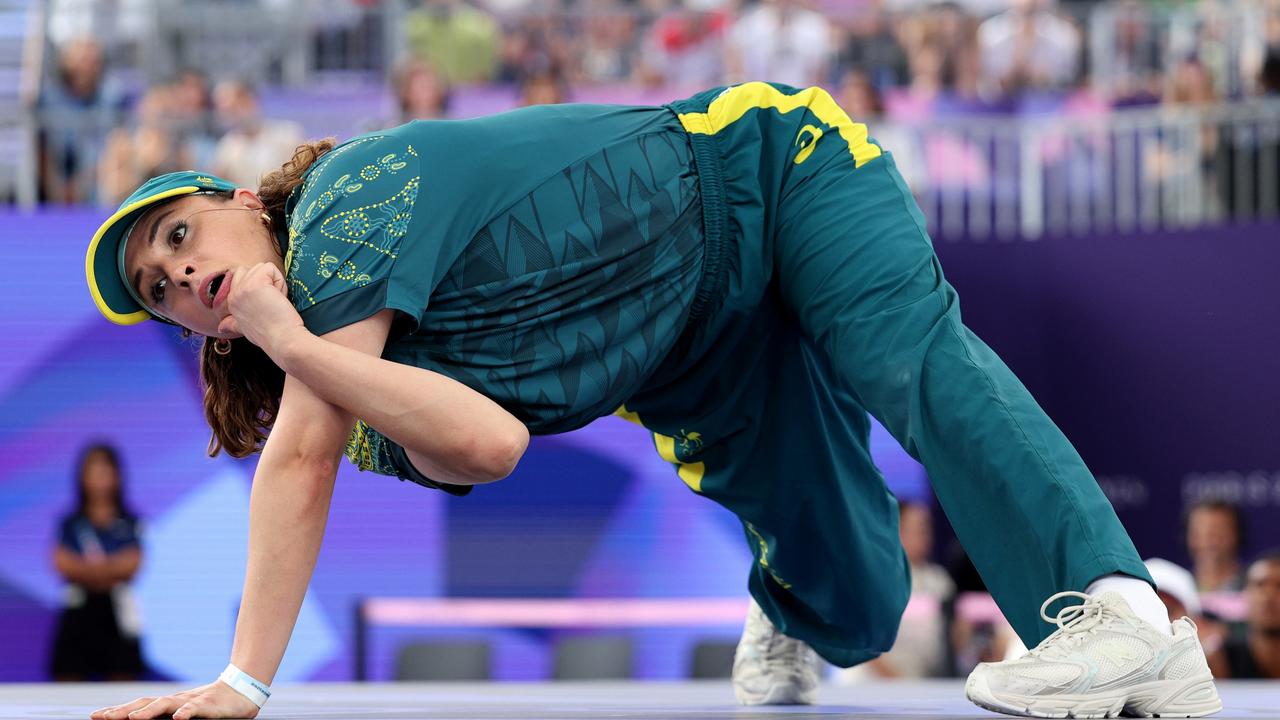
(781, 41)
(942, 53)
(1128, 53)
(1189, 85)
(869, 44)
(606, 48)
(252, 145)
(98, 553)
(421, 93)
(119, 26)
(1215, 540)
(77, 106)
(153, 146)
(544, 86)
(1028, 47)
(459, 40)
(686, 46)
(536, 40)
(1255, 652)
(192, 116)
(920, 649)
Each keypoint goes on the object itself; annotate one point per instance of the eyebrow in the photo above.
(151, 240)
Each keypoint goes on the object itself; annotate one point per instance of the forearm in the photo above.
(288, 509)
(97, 577)
(469, 437)
(122, 565)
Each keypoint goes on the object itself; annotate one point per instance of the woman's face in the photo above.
(181, 255)
(1211, 534)
(100, 479)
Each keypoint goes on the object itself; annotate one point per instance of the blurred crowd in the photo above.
(101, 146)
(907, 61)
(1234, 602)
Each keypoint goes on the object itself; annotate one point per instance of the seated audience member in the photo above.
(942, 54)
(920, 650)
(98, 554)
(1215, 540)
(421, 93)
(543, 87)
(1190, 85)
(191, 112)
(1254, 652)
(685, 47)
(870, 44)
(253, 145)
(1131, 64)
(76, 106)
(781, 40)
(456, 38)
(605, 49)
(1027, 47)
(154, 147)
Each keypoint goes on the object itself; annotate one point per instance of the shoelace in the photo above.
(1071, 620)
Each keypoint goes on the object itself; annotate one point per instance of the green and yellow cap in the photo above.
(104, 263)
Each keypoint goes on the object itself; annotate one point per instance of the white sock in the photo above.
(1141, 598)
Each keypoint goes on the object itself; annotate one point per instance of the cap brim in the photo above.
(101, 263)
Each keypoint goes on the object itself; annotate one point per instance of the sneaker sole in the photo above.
(1192, 697)
(777, 695)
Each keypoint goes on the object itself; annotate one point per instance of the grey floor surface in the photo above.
(709, 700)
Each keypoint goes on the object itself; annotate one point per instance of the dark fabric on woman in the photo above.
(89, 641)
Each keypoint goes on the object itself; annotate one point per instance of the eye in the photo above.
(178, 234)
(157, 291)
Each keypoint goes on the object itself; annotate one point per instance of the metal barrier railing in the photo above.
(979, 178)
(1134, 170)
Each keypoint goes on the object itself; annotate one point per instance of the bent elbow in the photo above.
(508, 451)
(496, 456)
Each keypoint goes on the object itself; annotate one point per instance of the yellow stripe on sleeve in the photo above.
(735, 102)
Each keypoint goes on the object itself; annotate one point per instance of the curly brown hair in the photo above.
(242, 388)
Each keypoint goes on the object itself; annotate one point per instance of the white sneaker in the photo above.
(770, 668)
(1103, 660)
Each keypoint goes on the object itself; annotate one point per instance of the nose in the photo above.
(182, 275)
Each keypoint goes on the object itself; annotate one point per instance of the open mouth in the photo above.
(214, 285)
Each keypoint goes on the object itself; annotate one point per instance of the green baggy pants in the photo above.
(822, 300)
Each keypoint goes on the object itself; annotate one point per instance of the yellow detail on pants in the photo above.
(690, 473)
(627, 415)
(764, 555)
(734, 102)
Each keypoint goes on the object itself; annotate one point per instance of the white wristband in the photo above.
(241, 682)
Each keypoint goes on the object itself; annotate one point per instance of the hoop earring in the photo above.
(266, 218)
(222, 346)
(186, 333)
